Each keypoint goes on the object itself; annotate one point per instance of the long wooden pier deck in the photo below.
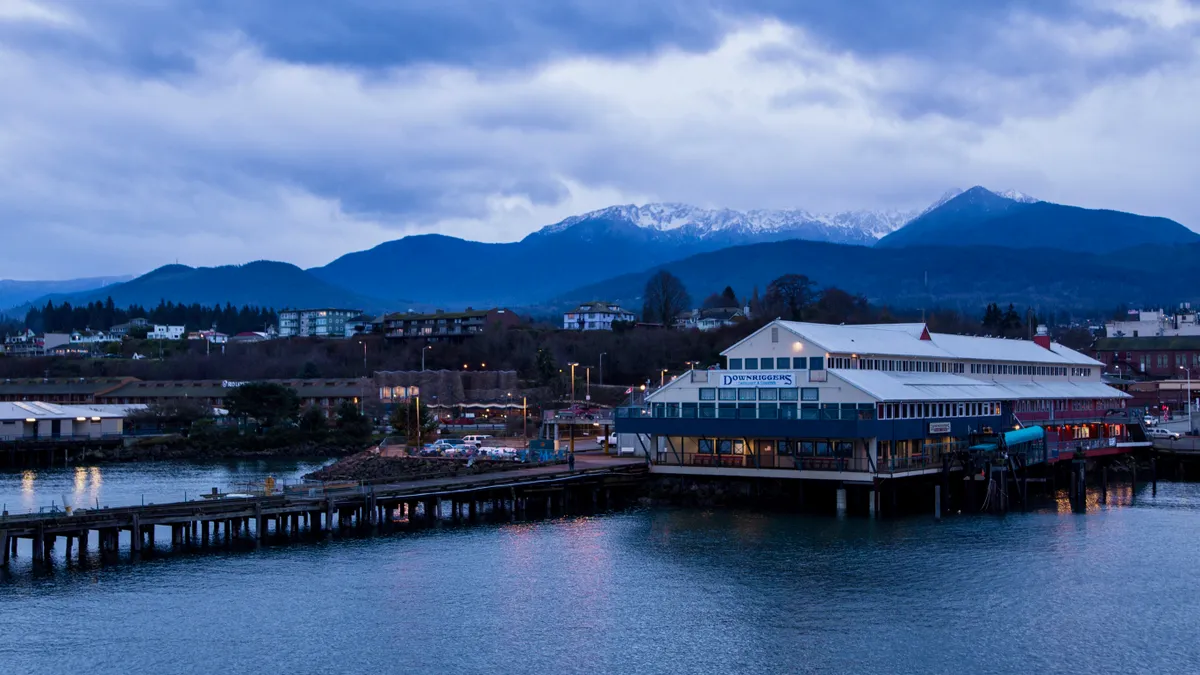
(536, 492)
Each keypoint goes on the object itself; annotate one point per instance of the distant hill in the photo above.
(580, 250)
(14, 293)
(931, 276)
(451, 272)
(979, 217)
(266, 284)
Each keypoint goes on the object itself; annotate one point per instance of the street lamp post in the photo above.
(423, 350)
(588, 390)
(1189, 395)
(662, 377)
(525, 416)
(600, 370)
(572, 364)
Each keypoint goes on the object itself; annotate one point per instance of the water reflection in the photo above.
(128, 484)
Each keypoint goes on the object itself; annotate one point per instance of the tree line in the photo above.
(97, 315)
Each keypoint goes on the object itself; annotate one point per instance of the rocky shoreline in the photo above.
(370, 466)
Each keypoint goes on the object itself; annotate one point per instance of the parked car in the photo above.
(475, 439)
(1150, 420)
(1159, 432)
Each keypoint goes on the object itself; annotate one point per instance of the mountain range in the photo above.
(974, 245)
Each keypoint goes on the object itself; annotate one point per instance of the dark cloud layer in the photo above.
(138, 131)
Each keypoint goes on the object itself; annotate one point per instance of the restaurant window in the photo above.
(768, 411)
(689, 411)
(845, 449)
(810, 411)
(746, 394)
(767, 394)
(783, 363)
(786, 448)
(751, 364)
(705, 446)
(767, 364)
(727, 394)
(708, 411)
(823, 449)
(727, 411)
(789, 394)
(810, 394)
(660, 409)
(816, 363)
(799, 363)
(735, 364)
(708, 394)
(672, 410)
(724, 447)
(788, 411)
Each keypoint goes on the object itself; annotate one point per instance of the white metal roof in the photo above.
(889, 386)
(904, 339)
(38, 410)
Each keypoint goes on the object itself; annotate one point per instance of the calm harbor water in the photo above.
(643, 591)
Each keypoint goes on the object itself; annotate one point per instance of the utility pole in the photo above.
(600, 370)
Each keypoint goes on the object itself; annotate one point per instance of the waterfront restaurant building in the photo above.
(859, 403)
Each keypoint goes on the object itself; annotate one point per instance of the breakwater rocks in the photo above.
(370, 466)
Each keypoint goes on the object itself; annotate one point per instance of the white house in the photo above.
(166, 332)
(596, 316)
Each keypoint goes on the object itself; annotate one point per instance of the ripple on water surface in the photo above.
(648, 591)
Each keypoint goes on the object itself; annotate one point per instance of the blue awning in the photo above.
(1026, 435)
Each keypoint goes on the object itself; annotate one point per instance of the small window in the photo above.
(747, 411)
(774, 333)
(768, 411)
(735, 364)
(783, 363)
(789, 394)
(751, 364)
(810, 394)
(705, 446)
(708, 411)
(800, 363)
(816, 363)
(689, 411)
(724, 447)
(708, 394)
(746, 394)
(768, 364)
(768, 394)
(727, 394)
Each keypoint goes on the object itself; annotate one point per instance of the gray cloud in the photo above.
(227, 137)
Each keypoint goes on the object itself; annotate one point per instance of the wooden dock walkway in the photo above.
(322, 509)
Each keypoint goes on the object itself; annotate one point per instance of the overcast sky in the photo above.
(137, 132)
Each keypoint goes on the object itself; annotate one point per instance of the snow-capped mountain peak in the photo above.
(858, 227)
(730, 226)
(1017, 196)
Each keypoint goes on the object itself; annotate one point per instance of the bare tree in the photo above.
(664, 297)
(789, 296)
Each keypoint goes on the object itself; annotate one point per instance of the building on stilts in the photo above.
(861, 414)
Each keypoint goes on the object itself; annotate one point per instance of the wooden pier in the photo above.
(536, 492)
